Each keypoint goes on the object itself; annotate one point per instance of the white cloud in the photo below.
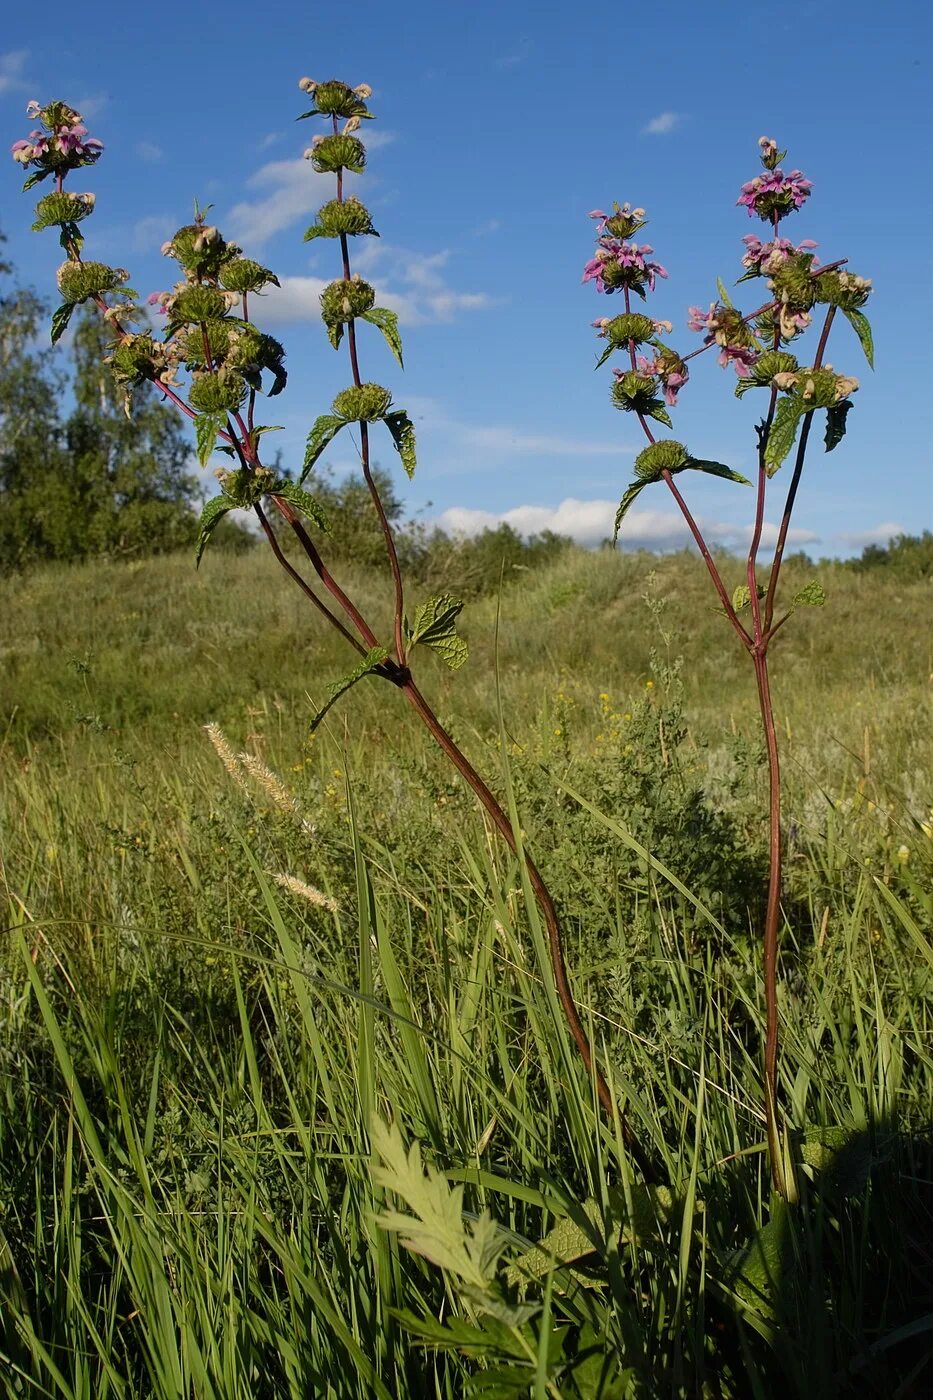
(591, 522)
(293, 188)
(150, 233)
(11, 71)
(878, 534)
(516, 56)
(92, 106)
(663, 124)
(149, 152)
(503, 439)
(411, 284)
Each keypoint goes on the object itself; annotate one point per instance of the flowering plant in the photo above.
(756, 346)
(215, 364)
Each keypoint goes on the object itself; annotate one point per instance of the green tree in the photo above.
(127, 474)
(31, 453)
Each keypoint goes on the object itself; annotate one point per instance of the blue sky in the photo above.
(499, 127)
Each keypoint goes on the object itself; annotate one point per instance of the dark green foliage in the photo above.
(905, 557)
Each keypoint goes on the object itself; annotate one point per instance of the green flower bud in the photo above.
(199, 249)
(817, 388)
(332, 153)
(348, 216)
(63, 208)
(365, 404)
(245, 275)
(659, 457)
(622, 223)
(843, 289)
(198, 304)
(245, 488)
(220, 392)
(793, 283)
(630, 326)
(336, 99)
(341, 301)
(769, 364)
(78, 281)
(634, 392)
(193, 350)
(137, 358)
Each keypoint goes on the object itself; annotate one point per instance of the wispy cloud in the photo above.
(11, 71)
(92, 105)
(591, 522)
(413, 285)
(516, 56)
(663, 124)
(149, 152)
(505, 440)
(877, 534)
(289, 190)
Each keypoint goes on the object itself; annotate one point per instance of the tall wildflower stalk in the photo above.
(755, 345)
(213, 362)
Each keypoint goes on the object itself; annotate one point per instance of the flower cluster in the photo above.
(763, 259)
(59, 145)
(822, 387)
(623, 222)
(667, 367)
(618, 264)
(774, 194)
(726, 327)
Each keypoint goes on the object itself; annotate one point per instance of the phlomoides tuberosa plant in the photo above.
(756, 345)
(213, 362)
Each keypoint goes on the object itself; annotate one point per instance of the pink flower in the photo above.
(741, 357)
(22, 152)
(620, 264)
(33, 108)
(766, 258)
(773, 192)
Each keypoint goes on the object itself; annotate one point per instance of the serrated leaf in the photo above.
(387, 322)
(403, 435)
(862, 327)
(324, 431)
(211, 516)
(435, 627)
(60, 320)
(625, 504)
(782, 433)
(741, 597)
(609, 350)
(701, 464)
(206, 428)
(335, 333)
(302, 501)
(367, 666)
(836, 423)
(656, 409)
(813, 595)
(569, 1241)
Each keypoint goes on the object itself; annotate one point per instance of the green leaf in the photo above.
(387, 321)
(35, 178)
(206, 428)
(403, 435)
(656, 409)
(324, 431)
(700, 464)
(758, 1273)
(723, 294)
(741, 598)
(570, 1241)
(301, 500)
(862, 327)
(211, 516)
(335, 333)
(435, 627)
(60, 320)
(782, 433)
(609, 350)
(836, 423)
(370, 662)
(813, 595)
(625, 504)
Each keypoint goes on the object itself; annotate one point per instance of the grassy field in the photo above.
(218, 981)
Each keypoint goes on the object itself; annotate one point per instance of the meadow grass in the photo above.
(212, 990)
